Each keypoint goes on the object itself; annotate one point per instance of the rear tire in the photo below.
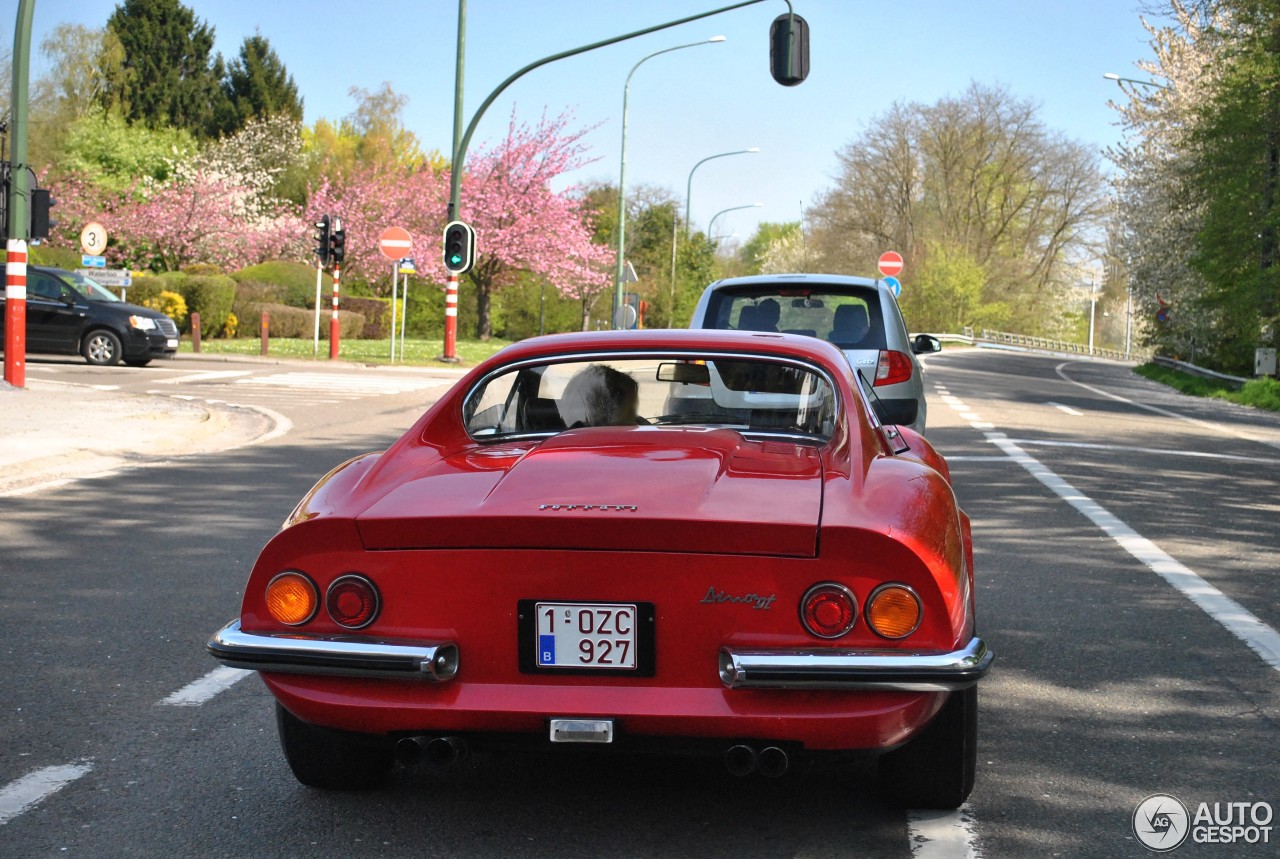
(329, 759)
(102, 348)
(936, 769)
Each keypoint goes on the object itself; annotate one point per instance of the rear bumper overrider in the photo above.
(295, 653)
(899, 671)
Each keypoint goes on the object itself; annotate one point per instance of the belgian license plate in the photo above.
(586, 635)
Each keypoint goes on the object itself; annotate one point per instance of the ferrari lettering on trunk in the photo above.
(757, 602)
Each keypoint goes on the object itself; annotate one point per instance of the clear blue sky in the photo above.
(692, 103)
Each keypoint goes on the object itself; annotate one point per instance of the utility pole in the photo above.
(15, 286)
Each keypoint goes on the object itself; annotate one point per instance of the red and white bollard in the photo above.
(15, 314)
(333, 320)
(451, 319)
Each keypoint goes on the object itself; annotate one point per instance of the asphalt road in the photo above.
(1127, 578)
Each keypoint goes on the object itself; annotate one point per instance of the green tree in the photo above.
(755, 249)
(170, 77)
(258, 86)
(113, 155)
(1236, 167)
(83, 63)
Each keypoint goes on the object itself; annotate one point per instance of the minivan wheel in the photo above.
(102, 348)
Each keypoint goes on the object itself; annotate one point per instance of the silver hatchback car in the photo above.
(858, 314)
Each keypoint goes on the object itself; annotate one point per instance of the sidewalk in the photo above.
(53, 433)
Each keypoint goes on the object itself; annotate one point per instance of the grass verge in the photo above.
(416, 352)
(1259, 393)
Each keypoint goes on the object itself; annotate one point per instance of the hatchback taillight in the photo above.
(894, 367)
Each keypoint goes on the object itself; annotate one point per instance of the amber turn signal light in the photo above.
(292, 598)
(893, 611)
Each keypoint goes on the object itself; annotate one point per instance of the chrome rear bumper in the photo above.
(294, 653)
(899, 671)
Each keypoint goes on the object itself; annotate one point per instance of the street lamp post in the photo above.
(688, 193)
(1112, 76)
(622, 173)
(730, 209)
(688, 188)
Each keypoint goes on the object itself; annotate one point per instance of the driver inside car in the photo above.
(600, 396)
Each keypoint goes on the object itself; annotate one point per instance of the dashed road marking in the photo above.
(27, 792)
(199, 691)
(943, 834)
(1076, 413)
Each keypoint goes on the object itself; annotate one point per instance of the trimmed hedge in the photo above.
(298, 280)
(297, 322)
(376, 313)
(212, 296)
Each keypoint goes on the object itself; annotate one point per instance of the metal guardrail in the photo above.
(975, 337)
(1235, 381)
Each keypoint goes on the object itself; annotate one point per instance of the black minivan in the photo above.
(70, 314)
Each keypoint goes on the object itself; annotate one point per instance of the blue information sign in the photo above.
(89, 261)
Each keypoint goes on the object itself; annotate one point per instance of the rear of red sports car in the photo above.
(778, 579)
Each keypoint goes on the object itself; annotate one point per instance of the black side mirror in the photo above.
(924, 343)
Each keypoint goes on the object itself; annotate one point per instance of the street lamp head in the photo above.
(718, 39)
(752, 149)
(1111, 76)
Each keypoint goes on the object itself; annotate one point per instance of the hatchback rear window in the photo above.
(848, 317)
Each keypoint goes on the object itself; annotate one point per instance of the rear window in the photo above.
(848, 317)
(752, 396)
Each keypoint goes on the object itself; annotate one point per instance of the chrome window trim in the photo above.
(634, 355)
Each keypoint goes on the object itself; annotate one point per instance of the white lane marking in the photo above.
(1219, 428)
(334, 382)
(25, 793)
(943, 834)
(204, 377)
(104, 387)
(1157, 451)
(1238, 620)
(1066, 409)
(197, 692)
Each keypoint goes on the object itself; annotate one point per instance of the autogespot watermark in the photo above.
(1162, 823)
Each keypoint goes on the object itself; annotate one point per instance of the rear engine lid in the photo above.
(656, 489)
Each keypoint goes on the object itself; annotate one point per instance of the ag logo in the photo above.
(1161, 822)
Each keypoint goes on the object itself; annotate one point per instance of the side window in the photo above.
(44, 286)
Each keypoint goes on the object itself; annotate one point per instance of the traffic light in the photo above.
(322, 240)
(41, 203)
(337, 241)
(789, 49)
(459, 247)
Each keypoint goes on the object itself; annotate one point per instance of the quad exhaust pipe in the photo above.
(742, 760)
(437, 751)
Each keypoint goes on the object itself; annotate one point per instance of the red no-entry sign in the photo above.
(890, 263)
(395, 243)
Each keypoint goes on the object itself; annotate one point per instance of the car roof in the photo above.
(676, 339)
(799, 278)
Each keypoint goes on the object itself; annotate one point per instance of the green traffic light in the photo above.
(455, 259)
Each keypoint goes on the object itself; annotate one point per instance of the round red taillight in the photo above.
(829, 610)
(352, 601)
(291, 598)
